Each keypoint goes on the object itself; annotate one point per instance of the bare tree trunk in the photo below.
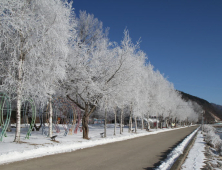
(142, 124)
(166, 122)
(85, 127)
(85, 119)
(130, 120)
(130, 123)
(50, 116)
(135, 125)
(171, 121)
(115, 121)
(18, 119)
(148, 123)
(157, 122)
(122, 122)
(105, 123)
(19, 101)
(121, 119)
(74, 117)
(161, 122)
(175, 121)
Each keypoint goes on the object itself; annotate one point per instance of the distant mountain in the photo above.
(217, 106)
(212, 113)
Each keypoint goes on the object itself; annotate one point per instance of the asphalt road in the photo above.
(134, 154)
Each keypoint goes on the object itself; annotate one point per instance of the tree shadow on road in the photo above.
(163, 156)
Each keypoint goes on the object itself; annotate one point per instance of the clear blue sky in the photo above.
(182, 38)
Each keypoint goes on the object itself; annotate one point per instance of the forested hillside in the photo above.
(212, 114)
(219, 107)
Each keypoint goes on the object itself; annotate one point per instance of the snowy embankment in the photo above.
(176, 152)
(213, 147)
(212, 138)
(196, 157)
(39, 145)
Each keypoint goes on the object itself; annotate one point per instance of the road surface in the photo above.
(134, 154)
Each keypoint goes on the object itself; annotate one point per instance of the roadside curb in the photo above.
(178, 163)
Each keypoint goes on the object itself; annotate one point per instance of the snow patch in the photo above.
(39, 145)
(195, 158)
(176, 152)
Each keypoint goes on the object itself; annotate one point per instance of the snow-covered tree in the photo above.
(34, 38)
(85, 69)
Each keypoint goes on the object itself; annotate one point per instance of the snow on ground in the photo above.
(176, 152)
(39, 145)
(195, 158)
(213, 158)
(214, 161)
